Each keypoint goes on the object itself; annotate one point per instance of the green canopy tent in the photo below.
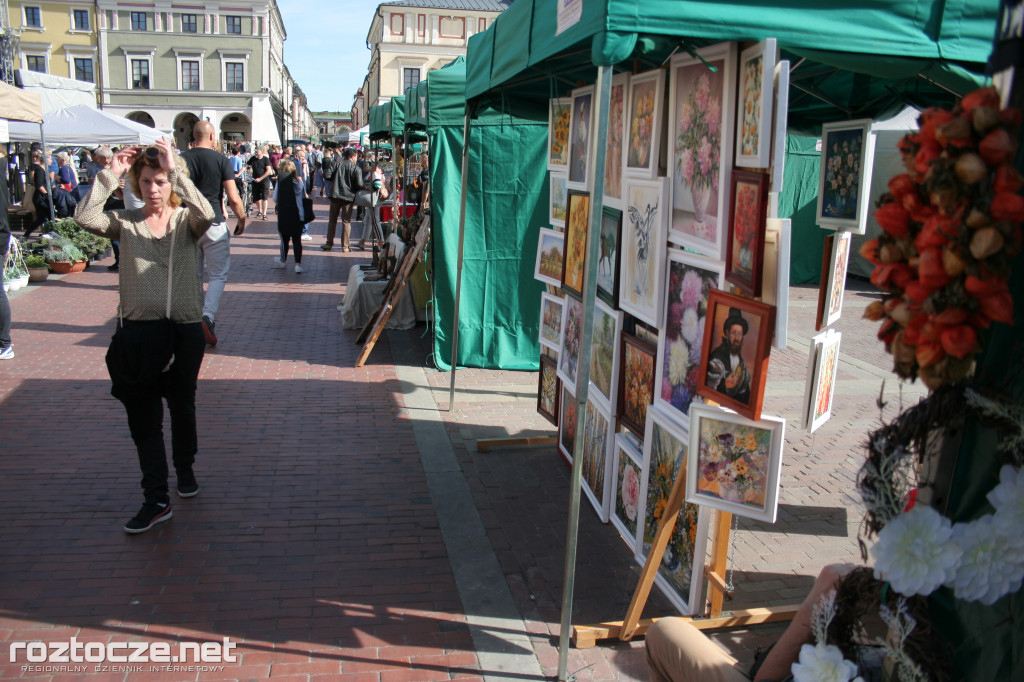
(849, 60)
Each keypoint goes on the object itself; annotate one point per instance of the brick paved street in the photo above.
(330, 540)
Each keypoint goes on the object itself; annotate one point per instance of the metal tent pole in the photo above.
(46, 174)
(595, 173)
(458, 269)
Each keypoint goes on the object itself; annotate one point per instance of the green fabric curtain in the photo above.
(799, 202)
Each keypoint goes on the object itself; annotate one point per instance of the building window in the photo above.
(81, 17)
(33, 17)
(35, 63)
(235, 77)
(410, 77)
(83, 70)
(139, 21)
(233, 24)
(140, 74)
(188, 23)
(189, 75)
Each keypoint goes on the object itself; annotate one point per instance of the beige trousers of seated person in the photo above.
(679, 652)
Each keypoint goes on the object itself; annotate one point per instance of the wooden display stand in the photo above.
(586, 636)
(375, 325)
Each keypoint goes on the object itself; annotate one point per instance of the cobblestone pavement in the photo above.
(318, 543)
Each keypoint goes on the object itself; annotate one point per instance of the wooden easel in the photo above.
(375, 325)
(586, 636)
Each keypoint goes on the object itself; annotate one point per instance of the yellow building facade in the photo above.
(57, 37)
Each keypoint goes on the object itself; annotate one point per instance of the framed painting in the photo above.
(689, 281)
(643, 257)
(616, 135)
(754, 108)
(744, 262)
(701, 106)
(572, 334)
(550, 255)
(643, 146)
(548, 389)
(734, 352)
(636, 382)
(597, 437)
(822, 367)
(645, 332)
(844, 181)
(604, 353)
(735, 462)
(608, 265)
(577, 227)
(567, 408)
(681, 571)
(833, 279)
(552, 310)
(558, 133)
(581, 125)
(558, 197)
(626, 506)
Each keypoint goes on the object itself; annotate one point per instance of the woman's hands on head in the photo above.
(123, 160)
(166, 154)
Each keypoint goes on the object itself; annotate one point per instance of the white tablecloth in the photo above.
(362, 299)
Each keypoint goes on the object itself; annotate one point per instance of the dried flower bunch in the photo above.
(951, 224)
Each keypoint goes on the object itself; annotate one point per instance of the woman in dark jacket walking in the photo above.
(288, 196)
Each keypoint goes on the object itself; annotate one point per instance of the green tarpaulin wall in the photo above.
(506, 202)
(799, 202)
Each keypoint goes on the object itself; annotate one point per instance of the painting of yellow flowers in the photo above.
(576, 228)
(754, 137)
(558, 133)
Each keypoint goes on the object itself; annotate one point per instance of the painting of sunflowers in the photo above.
(558, 133)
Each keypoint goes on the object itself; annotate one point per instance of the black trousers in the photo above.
(146, 413)
(296, 240)
(5, 308)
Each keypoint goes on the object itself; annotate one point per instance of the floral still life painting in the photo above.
(681, 568)
(636, 382)
(843, 181)
(596, 432)
(576, 229)
(551, 311)
(745, 255)
(736, 462)
(626, 505)
(558, 133)
(548, 389)
(605, 352)
(572, 335)
(643, 260)
(823, 364)
(616, 134)
(642, 144)
(757, 66)
(701, 146)
(691, 278)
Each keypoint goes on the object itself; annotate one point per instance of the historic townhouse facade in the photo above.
(58, 37)
(170, 65)
(408, 38)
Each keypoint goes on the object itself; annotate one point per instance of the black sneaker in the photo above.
(187, 485)
(113, 268)
(151, 514)
(211, 338)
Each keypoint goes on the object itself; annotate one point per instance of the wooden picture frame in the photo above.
(557, 198)
(577, 227)
(549, 389)
(559, 112)
(610, 260)
(567, 407)
(642, 140)
(833, 279)
(844, 181)
(598, 432)
(735, 462)
(604, 354)
(689, 280)
(550, 257)
(700, 175)
(733, 320)
(754, 105)
(626, 508)
(744, 262)
(581, 127)
(636, 382)
(680, 574)
(616, 153)
(643, 249)
(552, 317)
(822, 368)
(572, 337)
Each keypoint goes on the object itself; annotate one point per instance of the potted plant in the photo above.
(37, 270)
(92, 246)
(64, 257)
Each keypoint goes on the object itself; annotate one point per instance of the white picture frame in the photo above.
(754, 104)
(822, 371)
(558, 198)
(552, 314)
(598, 434)
(844, 186)
(626, 488)
(714, 476)
(641, 143)
(781, 114)
(615, 156)
(604, 380)
(572, 339)
(543, 269)
(839, 264)
(558, 158)
(700, 191)
(642, 264)
(581, 128)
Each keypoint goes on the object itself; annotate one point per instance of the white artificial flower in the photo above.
(989, 567)
(823, 663)
(914, 552)
(1007, 499)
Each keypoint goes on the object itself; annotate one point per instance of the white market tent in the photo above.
(56, 92)
(81, 125)
(356, 135)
